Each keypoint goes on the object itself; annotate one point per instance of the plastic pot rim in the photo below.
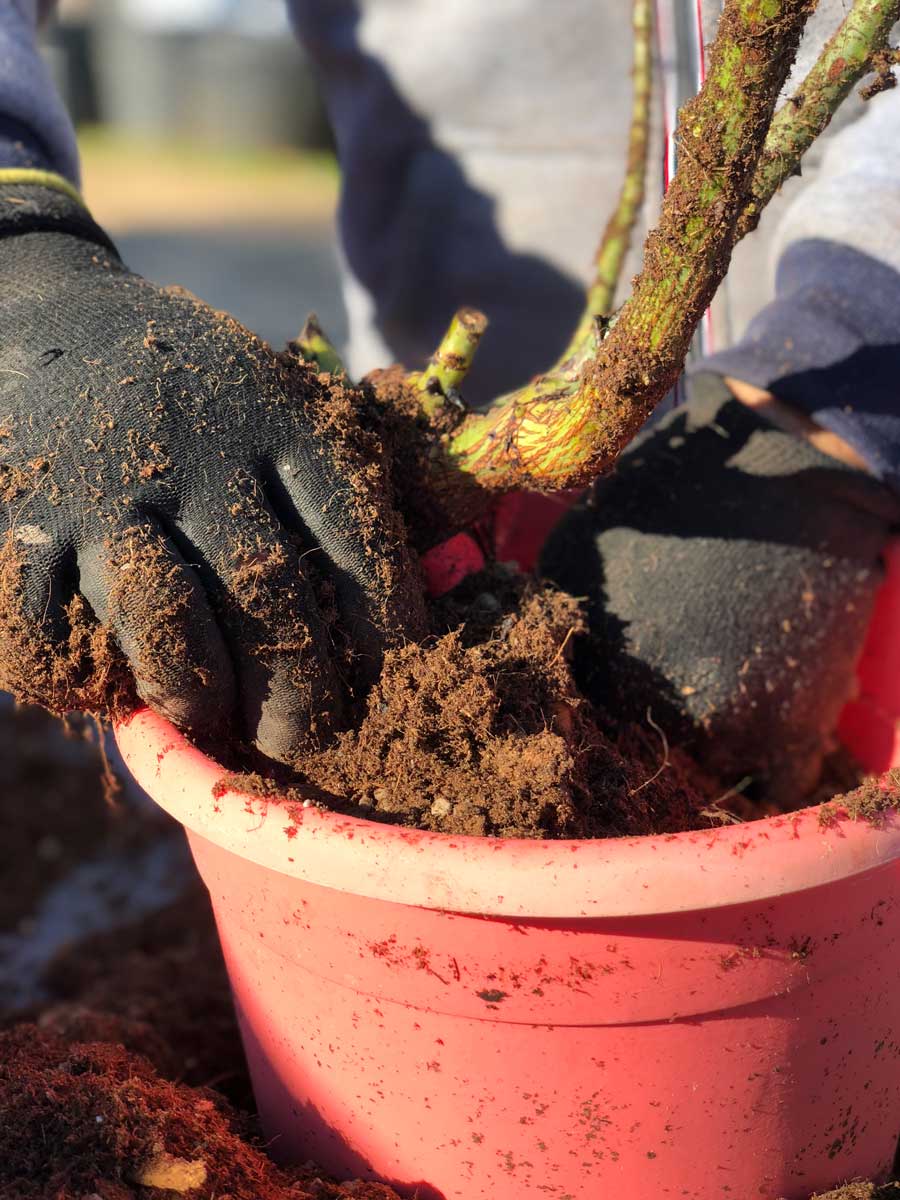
(503, 877)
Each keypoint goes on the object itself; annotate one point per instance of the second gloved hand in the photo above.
(730, 570)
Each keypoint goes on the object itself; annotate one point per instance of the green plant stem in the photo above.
(450, 363)
(564, 429)
(850, 54)
(617, 236)
(313, 345)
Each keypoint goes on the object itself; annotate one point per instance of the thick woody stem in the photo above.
(616, 238)
(562, 430)
(452, 360)
(858, 46)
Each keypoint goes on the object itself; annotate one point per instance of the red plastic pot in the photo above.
(703, 1015)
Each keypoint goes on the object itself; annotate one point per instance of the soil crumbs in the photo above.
(482, 730)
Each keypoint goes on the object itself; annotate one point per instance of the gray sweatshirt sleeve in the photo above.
(829, 342)
(35, 130)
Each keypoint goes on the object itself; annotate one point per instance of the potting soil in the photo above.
(482, 730)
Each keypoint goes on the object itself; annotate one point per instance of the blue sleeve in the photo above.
(829, 344)
(35, 129)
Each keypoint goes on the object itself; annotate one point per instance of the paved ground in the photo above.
(269, 279)
(249, 232)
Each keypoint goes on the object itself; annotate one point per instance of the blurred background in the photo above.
(206, 151)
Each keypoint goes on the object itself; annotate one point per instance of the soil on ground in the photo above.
(862, 1191)
(92, 1119)
(481, 730)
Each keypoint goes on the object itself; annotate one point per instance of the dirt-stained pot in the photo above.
(703, 1015)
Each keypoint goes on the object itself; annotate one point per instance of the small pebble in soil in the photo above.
(441, 807)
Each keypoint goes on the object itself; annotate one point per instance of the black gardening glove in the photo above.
(730, 570)
(165, 475)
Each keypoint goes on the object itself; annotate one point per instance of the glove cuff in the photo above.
(34, 201)
(828, 345)
(780, 453)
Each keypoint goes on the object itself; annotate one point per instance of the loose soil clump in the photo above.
(871, 801)
(482, 731)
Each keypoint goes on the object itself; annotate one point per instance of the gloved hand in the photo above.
(172, 486)
(730, 570)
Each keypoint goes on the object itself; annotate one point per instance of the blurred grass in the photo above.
(141, 183)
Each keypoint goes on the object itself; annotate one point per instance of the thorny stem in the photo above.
(853, 51)
(450, 363)
(564, 429)
(616, 238)
(313, 345)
